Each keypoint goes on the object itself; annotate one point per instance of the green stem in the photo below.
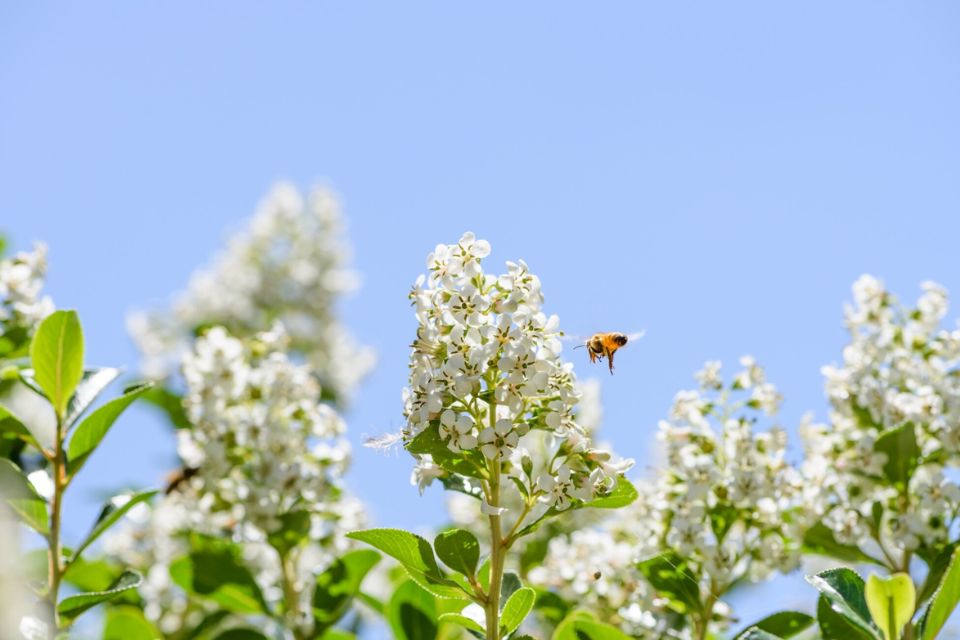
(496, 559)
(702, 621)
(291, 597)
(55, 568)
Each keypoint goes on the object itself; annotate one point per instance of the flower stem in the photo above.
(291, 598)
(55, 567)
(496, 558)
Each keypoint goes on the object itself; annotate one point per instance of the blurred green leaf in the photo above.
(339, 584)
(784, 624)
(56, 354)
(20, 495)
(944, 600)
(672, 578)
(411, 611)
(294, 529)
(819, 540)
(114, 509)
(462, 620)
(241, 633)
(70, 608)
(170, 404)
(214, 570)
(900, 447)
(128, 623)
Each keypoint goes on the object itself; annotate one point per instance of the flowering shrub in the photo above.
(257, 535)
(287, 266)
(486, 379)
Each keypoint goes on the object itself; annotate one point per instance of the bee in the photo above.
(601, 345)
(177, 478)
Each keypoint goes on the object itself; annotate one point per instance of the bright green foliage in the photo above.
(127, 623)
(517, 608)
(784, 624)
(338, 585)
(23, 498)
(214, 570)
(843, 590)
(582, 625)
(944, 600)
(110, 514)
(459, 550)
(92, 430)
(57, 357)
(71, 607)
(670, 575)
(890, 601)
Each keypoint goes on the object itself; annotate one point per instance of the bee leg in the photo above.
(610, 361)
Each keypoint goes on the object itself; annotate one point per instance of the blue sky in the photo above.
(716, 173)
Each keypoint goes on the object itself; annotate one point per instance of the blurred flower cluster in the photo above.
(288, 266)
(22, 307)
(897, 394)
(262, 450)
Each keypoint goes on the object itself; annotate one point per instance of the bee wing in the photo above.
(635, 336)
(574, 338)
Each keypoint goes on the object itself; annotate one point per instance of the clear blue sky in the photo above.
(716, 173)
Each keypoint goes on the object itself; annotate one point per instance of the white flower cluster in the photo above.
(899, 368)
(262, 445)
(21, 280)
(595, 568)
(262, 441)
(288, 267)
(485, 370)
(728, 501)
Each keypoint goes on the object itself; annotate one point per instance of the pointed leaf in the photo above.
(844, 590)
(459, 550)
(92, 384)
(944, 600)
(416, 556)
(339, 584)
(70, 608)
(784, 624)
(900, 447)
(20, 495)
(517, 608)
(670, 575)
(56, 354)
(91, 431)
(112, 511)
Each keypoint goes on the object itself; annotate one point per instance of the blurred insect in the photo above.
(601, 345)
(177, 477)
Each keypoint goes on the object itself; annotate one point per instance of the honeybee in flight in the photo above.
(601, 345)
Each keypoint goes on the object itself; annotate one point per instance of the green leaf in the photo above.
(20, 495)
(92, 430)
(671, 576)
(337, 634)
(517, 608)
(938, 565)
(844, 590)
(459, 550)
(508, 586)
(784, 624)
(834, 626)
(551, 607)
(27, 414)
(90, 575)
(623, 493)
(819, 540)
(462, 620)
(169, 403)
(112, 511)
(581, 625)
(902, 451)
(214, 570)
(128, 623)
(943, 601)
(755, 633)
(339, 584)
(429, 441)
(70, 608)
(890, 601)
(411, 612)
(416, 556)
(91, 385)
(56, 354)
(295, 527)
(209, 623)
